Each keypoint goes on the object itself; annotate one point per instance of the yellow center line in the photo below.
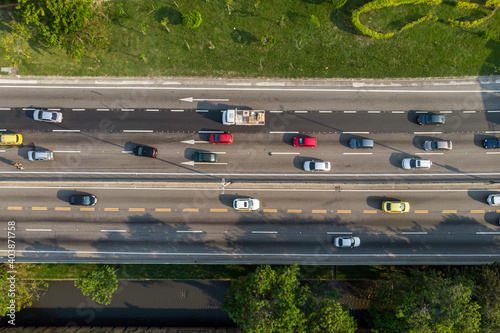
(422, 211)
(111, 209)
(295, 211)
(343, 211)
(63, 208)
(218, 210)
(136, 209)
(38, 208)
(370, 211)
(270, 210)
(477, 211)
(87, 209)
(15, 208)
(191, 210)
(449, 211)
(163, 209)
(319, 211)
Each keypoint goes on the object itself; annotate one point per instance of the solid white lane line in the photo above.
(264, 232)
(127, 110)
(137, 131)
(350, 111)
(469, 111)
(492, 153)
(414, 233)
(39, 230)
(3, 130)
(488, 233)
(113, 230)
(326, 112)
(279, 153)
(190, 231)
(78, 109)
(338, 233)
(5, 109)
(127, 151)
(152, 110)
(277, 132)
(2, 151)
(373, 111)
(66, 151)
(102, 109)
(445, 111)
(491, 132)
(493, 111)
(239, 84)
(275, 111)
(201, 132)
(421, 111)
(73, 131)
(300, 111)
(397, 112)
(427, 132)
(355, 132)
(219, 152)
(357, 153)
(201, 110)
(176, 110)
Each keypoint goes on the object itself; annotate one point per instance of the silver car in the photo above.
(438, 145)
(45, 155)
(47, 116)
(246, 204)
(415, 163)
(347, 242)
(493, 199)
(317, 166)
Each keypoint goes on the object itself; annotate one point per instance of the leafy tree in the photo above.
(273, 300)
(27, 288)
(191, 19)
(488, 297)
(424, 302)
(78, 26)
(100, 283)
(16, 44)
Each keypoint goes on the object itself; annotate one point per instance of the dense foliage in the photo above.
(101, 284)
(191, 19)
(274, 300)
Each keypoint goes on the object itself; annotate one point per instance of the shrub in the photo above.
(191, 19)
(466, 5)
(338, 3)
(420, 20)
(267, 41)
(492, 3)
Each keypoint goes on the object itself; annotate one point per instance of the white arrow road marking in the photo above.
(191, 99)
(192, 142)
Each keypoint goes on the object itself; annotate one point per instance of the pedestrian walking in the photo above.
(16, 165)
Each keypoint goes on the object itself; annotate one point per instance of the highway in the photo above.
(170, 209)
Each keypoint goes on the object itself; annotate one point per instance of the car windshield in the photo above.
(216, 137)
(413, 163)
(54, 116)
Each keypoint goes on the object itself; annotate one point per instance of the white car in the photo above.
(316, 166)
(48, 116)
(347, 242)
(40, 155)
(493, 199)
(246, 204)
(415, 163)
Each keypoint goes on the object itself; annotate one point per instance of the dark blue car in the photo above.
(491, 143)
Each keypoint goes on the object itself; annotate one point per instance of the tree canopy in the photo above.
(78, 26)
(101, 284)
(273, 300)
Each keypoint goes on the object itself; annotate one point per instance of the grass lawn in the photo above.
(227, 44)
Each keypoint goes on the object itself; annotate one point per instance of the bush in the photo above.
(338, 3)
(492, 3)
(191, 19)
(466, 5)
(420, 20)
(268, 41)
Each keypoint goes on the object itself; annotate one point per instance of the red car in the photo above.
(303, 141)
(222, 138)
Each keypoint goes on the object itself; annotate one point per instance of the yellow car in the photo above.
(395, 207)
(11, 139)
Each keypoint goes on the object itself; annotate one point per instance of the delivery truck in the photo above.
(243, 117)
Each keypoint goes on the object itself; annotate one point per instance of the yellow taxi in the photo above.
(395, 207)
(11, 139)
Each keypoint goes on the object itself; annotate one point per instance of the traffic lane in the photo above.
(307, 120)
(345, 96)
(313, 246)
(253, 153)
(431, 209)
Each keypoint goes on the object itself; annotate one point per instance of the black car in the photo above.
(204, 157)
(361, 143)
(83, 200)
(431, 119)
(491, 143)
(145, 151)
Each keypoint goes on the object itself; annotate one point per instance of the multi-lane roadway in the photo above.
(143, 216)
